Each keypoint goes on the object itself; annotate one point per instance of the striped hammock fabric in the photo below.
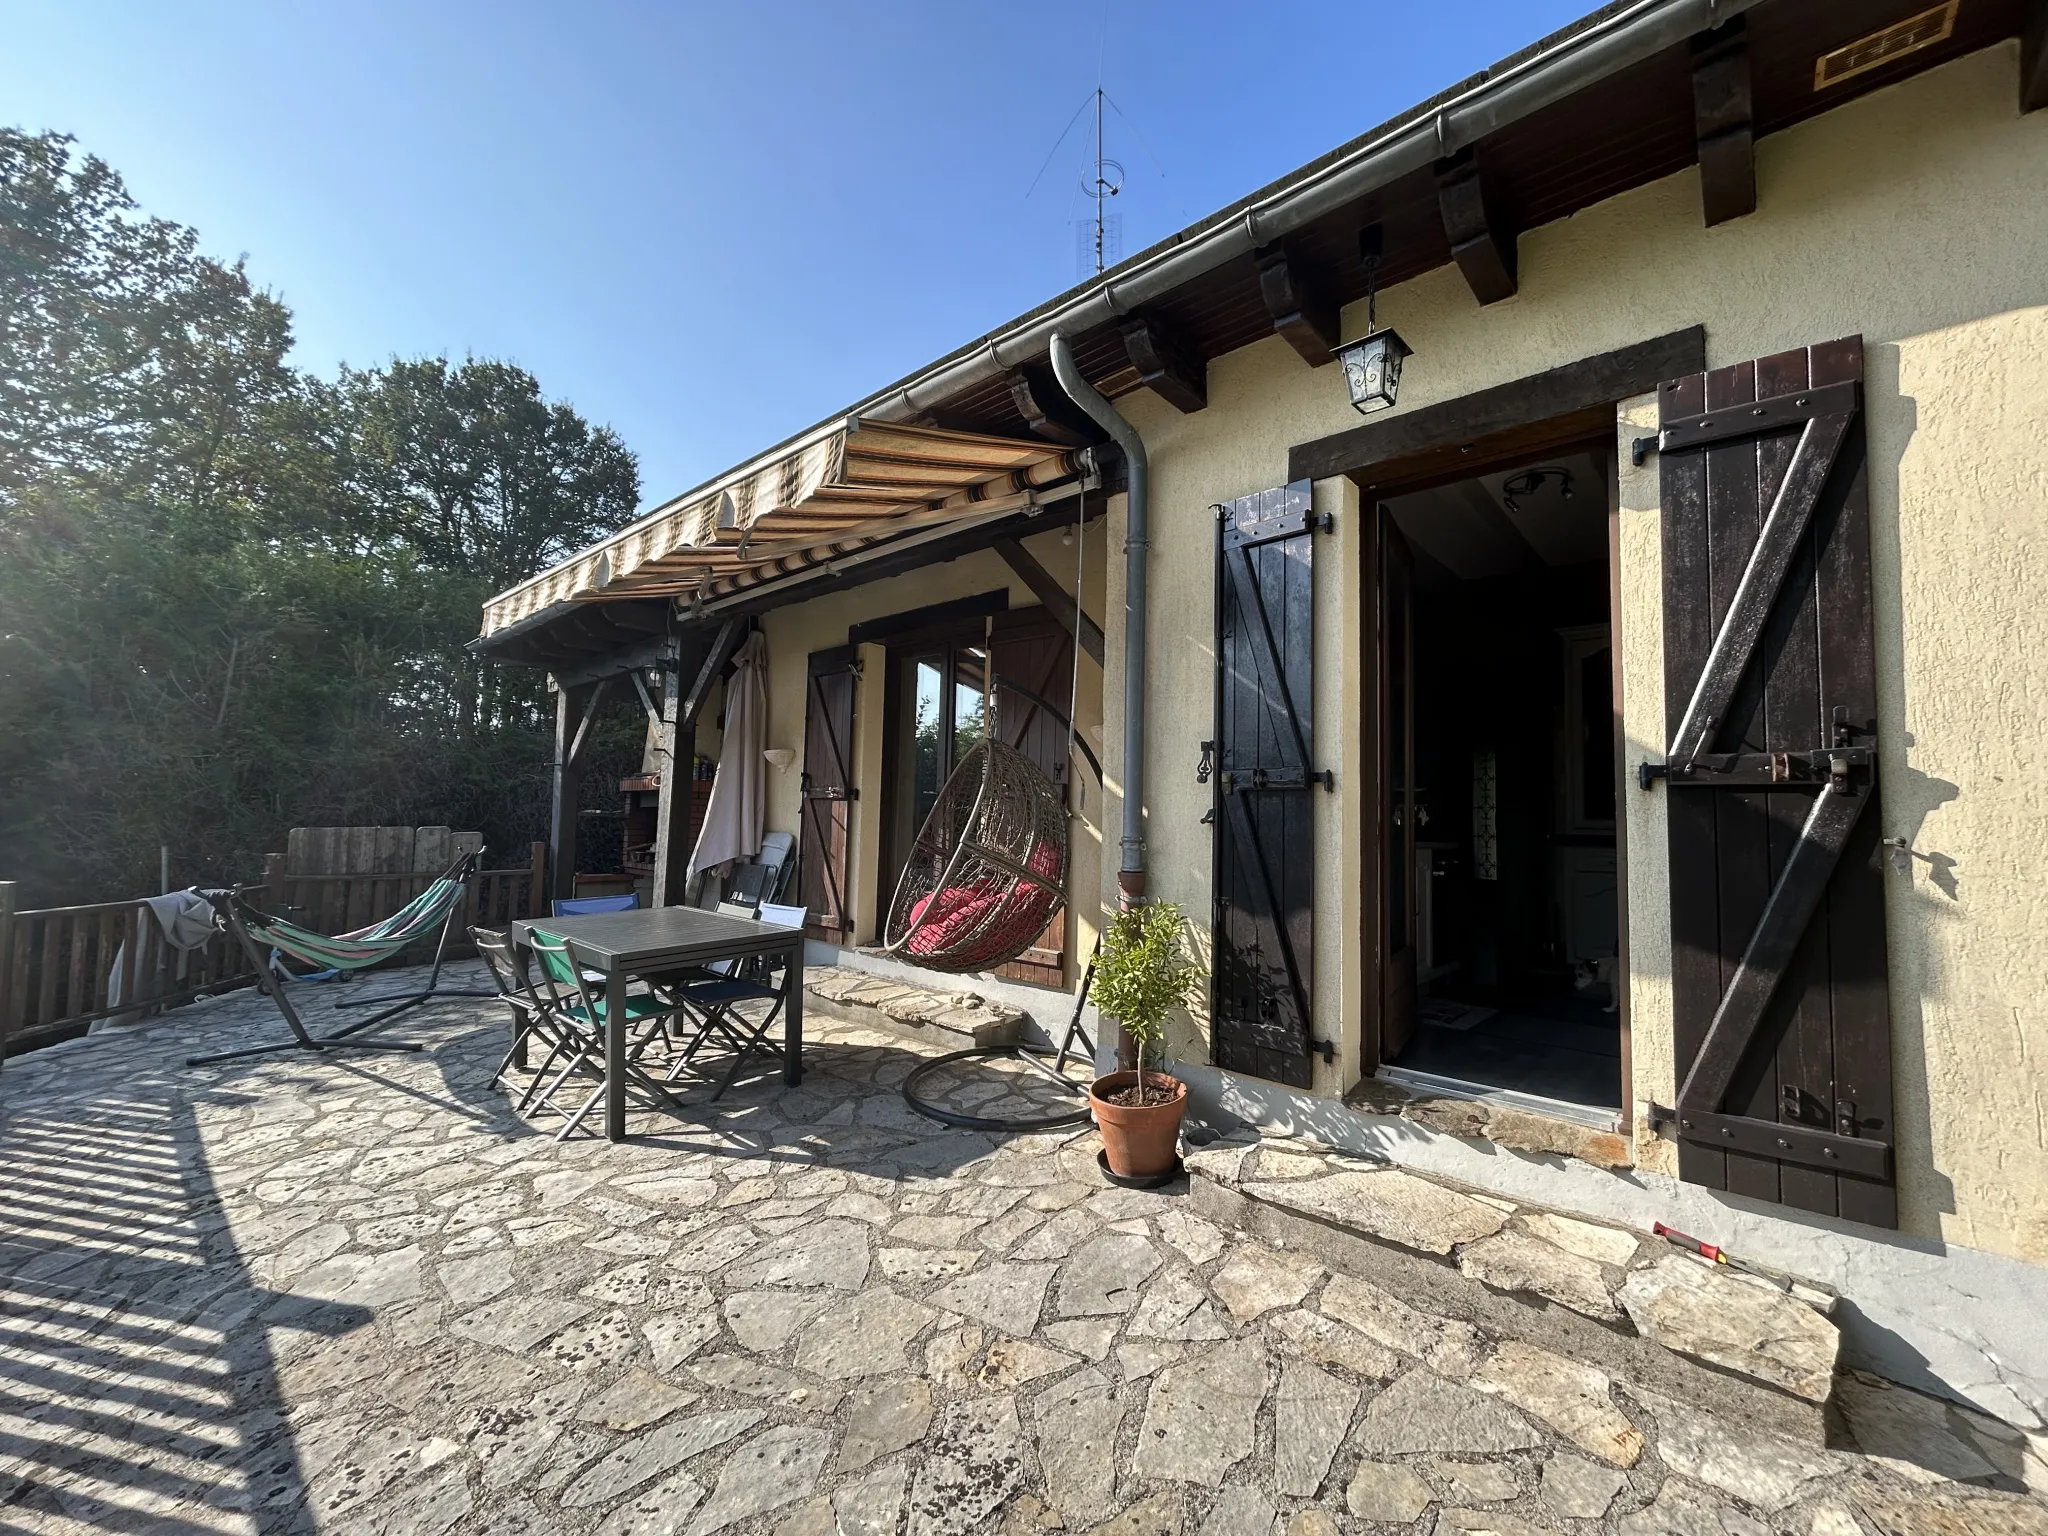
(364, 946)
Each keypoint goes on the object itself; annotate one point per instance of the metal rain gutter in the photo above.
(1619, 42)
(1130, 879)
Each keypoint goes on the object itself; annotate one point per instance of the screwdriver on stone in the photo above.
(1716, 1255)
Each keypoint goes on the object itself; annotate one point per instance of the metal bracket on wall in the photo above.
(1327, 1049)
(1642, 448)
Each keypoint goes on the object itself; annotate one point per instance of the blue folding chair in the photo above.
(715, 1001)
(577, 906)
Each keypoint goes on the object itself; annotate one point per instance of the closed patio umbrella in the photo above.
(738, 811)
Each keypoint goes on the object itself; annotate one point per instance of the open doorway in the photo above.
(1500, 917)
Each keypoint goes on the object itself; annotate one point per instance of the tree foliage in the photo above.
(235, 597)
(1144, 971)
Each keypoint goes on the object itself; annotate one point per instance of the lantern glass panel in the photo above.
(1372, 370)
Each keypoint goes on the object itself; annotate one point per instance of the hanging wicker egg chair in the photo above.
(989, 868)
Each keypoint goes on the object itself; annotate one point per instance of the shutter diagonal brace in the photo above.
(1793, 901)
(1248, 839)
(1776, 547)
(1249, 597)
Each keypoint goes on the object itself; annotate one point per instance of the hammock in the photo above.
(434, 908)
(361, 947)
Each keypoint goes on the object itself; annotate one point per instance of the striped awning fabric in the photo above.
(822, 498)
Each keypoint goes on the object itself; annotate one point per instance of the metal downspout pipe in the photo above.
(1130, 880)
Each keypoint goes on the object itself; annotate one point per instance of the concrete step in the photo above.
(955, 1020)
(1705, 1335)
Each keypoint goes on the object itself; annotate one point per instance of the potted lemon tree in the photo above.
(1143, 971)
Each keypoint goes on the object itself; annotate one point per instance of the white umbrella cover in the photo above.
(738, 811)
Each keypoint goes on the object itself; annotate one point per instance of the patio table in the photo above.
(622, 945)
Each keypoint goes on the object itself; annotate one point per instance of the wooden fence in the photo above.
(58, 964)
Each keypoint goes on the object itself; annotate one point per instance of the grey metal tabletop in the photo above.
(649, 939)
(662, 935)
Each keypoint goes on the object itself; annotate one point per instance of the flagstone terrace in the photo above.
(359, 1294)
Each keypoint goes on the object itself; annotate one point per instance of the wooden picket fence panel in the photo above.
(57, 963)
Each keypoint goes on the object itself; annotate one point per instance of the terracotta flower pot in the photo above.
(1138, 1141)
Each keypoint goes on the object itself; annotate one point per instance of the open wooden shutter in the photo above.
(828, 792)
(1034, 668)
(1782, 1016)
(1264, 778)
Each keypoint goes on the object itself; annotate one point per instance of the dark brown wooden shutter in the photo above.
(1264, 779)
(1782, 1016)
(828, 792)
(1033, 664)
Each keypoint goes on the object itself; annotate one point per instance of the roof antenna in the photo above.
(1101, 187)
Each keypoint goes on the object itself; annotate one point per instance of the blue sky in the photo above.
(707, 226)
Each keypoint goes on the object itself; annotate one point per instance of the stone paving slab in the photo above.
(361, 1295)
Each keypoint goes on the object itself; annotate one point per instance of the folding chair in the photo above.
(716, 1002)
(577, 906)
(568, 1003)
(508, 975)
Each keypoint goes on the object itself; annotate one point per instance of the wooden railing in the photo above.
(61, 968)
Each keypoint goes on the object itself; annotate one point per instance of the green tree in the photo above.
(235, 597)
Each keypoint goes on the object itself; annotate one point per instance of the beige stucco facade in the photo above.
(821, 623)
(1913, 217)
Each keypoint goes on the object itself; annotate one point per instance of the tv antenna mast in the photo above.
(1101, 187)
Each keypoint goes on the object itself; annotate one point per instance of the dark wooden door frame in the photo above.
(1570, 406)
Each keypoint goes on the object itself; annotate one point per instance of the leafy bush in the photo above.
(1144, 970)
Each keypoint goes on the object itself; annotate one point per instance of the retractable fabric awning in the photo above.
(824, 497)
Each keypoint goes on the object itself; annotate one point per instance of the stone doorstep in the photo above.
(1519, 1130)
(958, 1018)
(1645, 1313)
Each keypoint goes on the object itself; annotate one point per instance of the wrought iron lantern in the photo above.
(1372, 364)
(1372, 369)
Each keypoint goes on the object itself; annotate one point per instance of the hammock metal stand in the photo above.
(228, 907)
(1032, 1056)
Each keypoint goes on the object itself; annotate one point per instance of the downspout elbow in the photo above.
(1137, 543)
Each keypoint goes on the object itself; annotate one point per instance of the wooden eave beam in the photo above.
(1302, 311)
(1482, 243)
(2034, 58)
(1723, 122)
(1048, 412)
(1166, 366)
(728, 639)
(1057, 599)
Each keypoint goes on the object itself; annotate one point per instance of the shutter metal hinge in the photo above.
(1642, 448)
(1327, 1049)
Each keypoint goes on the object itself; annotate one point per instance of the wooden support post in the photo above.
(566, 805)
(676, 754)
(1048, 412)
(1482, 240)
(1721, 119)
(1166, 366)
(7, 1019)
(1058, 601)
(536, 884)
(1301, 311)
(2034, 58)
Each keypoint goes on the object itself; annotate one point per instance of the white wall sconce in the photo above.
(781, 757)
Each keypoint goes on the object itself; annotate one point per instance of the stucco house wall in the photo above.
(1913, 217)
(795, 631)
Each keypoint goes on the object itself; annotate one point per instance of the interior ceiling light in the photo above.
(1530, 481)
